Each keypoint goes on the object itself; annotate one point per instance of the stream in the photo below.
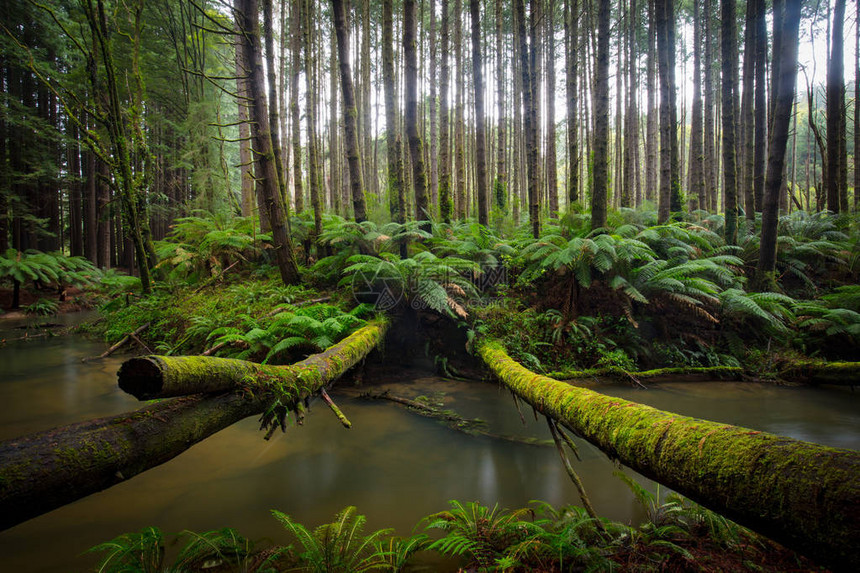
(394, 465)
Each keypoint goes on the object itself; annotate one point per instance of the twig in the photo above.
(141, 343)
(119, 344)
(573, 475)
(214, 279)
(340, 416)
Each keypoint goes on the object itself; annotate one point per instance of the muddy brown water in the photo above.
(395, 466)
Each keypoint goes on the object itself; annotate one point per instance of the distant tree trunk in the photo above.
(696, 182)
(529, 127)
(631, 129)
(711, 182)
(459, 192)
(410, 118)
(760, 103)
(746, 159)
(103, 215)
(856, 109)
(397, 199)
(571, 27)
(334, 144)
(273, 108)
(535, 23)
(669, 183)
(296, 53)
(551, 159)
(245, 160)
(434, 127)
(76, 240)
(445, 203)
(651, 89)
(729, 68)
(601, 118)
(314, 163)
(480, 135)
(499, 187)
(266, 170)
(837, 193)
(353, 155)
(785, 65)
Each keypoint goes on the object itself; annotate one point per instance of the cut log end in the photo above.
(141, 377)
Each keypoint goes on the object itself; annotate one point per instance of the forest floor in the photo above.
(75, 299)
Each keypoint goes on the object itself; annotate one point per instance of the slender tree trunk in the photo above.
(729, 66)
(708, 111)
(410, 118)
(245, 160)
(314, 163)
(445, 204)
(499, 186)
(837, 193)
(785, 65)
(480, 135)
(696, 183)
(856, 108)
(571, 70)
(459, 191)
(760, 103)
(432, 153)
(76, 241)
(349, 112)
(551, 158)
(653, 114)
(296, 53)
(669, 184)
(631, 130)
(601, 118)
(529, 126)
(746, 158)
(273, 107)
(266, 170)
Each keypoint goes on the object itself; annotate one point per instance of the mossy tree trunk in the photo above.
(804, 495)
(44, 471)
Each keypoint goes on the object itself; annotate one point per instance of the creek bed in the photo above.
(395, 466)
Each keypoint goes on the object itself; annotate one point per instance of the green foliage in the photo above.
(140, 552)
(309, 329)
(339, 546)
(42, 307)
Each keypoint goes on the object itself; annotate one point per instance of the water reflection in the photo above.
(395, 466)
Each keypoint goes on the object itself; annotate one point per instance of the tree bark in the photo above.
(571, 60)
(696, 182)
(266, 170)
(480, 132)
(314, 163)
(445, 204)
(353, 156)
(837, 193)
(729, 66)
(746, 158)
(804, 495)
(47, 470)
(410, 118)
(551, 157)
(653, 114)
(296, 50)
(601, 119)
(394, 144)
(786, 66)
(529, 127)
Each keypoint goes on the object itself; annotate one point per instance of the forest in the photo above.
(216, 214)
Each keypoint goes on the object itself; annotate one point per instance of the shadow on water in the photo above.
(396, 467)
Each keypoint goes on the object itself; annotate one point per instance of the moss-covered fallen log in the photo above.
(149, 377)
(44, 471)
(818, 372)
(616, 373)
(804, 495)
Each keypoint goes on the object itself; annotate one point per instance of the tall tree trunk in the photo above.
(394, 144)
(499, 185)
(631, 129)
(837, 193)
(696, 183)
(746, 158)
(669, 201)
(334, 144)
(410, 118)
(729, 68)
(571, 28)
(432, 153)
(76, 241)
(709, 163)
(551, 158)
(785, 66)
(314, 163)
(296, 69)
(651, 161)
(353, 155)
(529, 126)
(856, 108)
(273, 107)
(480, 135)
(266, 170)
(760, 103)
(459, 191)
(601, 118)
(445, 204)
(246, 170)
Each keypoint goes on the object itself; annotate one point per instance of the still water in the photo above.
(395, 466)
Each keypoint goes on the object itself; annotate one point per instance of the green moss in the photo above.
(803, 494)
